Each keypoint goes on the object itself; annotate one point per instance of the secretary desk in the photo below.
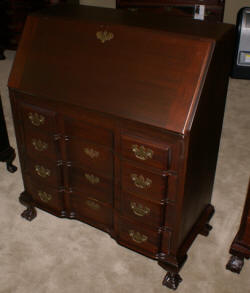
(118, 120)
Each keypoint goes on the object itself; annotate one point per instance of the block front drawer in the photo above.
(138, 238)
(88, 207)
(145, 151)
(46, 197)
(142, 182)
(142, 211)
(88, 154)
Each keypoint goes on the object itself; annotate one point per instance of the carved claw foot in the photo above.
(172, 280)
(29, 214)
(11, 168)
(206, 229)
(235, 264)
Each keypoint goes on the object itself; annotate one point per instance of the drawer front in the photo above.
(79, 131)
(44, 196)
(138, 238)
(46, 171)
(143, 151)
(92, 183)
(39, 144)
(90, 155)
(89, 207)
(142, 211)
(142, 182)
(38, 119)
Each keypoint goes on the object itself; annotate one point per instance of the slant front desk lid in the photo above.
(144, 74)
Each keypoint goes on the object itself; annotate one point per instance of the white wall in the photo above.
(101, 3)
(231, 9)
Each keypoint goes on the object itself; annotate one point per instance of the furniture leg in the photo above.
(30, 213)
(172, 280)
(235, 264)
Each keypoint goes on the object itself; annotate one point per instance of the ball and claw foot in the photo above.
(29, 214)
(235, 264)
(206, 229)
(172, 280)
(11, 168)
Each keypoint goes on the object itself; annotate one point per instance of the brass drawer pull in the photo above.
(39, 145)
(91, 153)
(92, 178)
(104, 36)
(142, 153)
(36, 119)
(44, 196)
(139, 210)
(93, 205)
(137, 236)
(42, 172)
(140, 181)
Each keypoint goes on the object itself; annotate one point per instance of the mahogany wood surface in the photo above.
(126, 130)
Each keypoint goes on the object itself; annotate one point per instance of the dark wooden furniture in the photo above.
(214, 9)
(13, 14)
(7, 153)
(240, 247)
(120, 127)
(3, 28)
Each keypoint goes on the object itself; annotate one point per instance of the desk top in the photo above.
(141, 73)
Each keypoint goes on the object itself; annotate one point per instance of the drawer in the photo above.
(39, 144)
(146, 152)
(141, 182)
(88, 207)
(84, 180)
(38, 119)
(142, 211)
(45, 171)
(44, 196)
(90, 155)
(138, 238)
(80, 131)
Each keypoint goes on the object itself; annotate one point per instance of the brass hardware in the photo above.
(92, 204)
(92, 178)
(104, 36)
(36, 119)
(44, 196)
(140, 181)
(91, 153)
(139, 210)
(137, 236)
(41, 171)
(39, 145)
(142, 153)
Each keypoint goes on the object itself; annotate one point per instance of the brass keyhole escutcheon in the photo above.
(104, 36)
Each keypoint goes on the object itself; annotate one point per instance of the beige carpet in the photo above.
(51, 255)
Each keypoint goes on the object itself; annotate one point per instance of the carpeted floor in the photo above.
(51, 255)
